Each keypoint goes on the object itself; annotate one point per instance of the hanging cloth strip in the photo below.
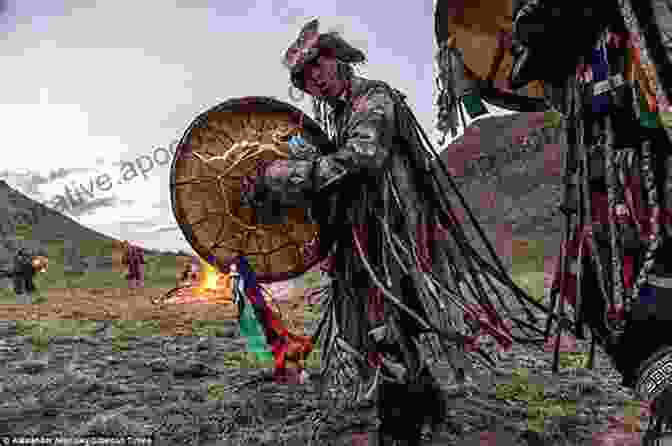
(651, 116)
(600, 65)
(250, 327)
(265, 329)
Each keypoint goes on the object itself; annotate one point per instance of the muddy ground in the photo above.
(118, 304)
(176, 387)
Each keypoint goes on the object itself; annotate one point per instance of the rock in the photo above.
(112, 424)
(7, 328)
(98, 263)
(193, 369)
(31, 366)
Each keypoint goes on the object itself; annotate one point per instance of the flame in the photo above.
(213, 285)
(209, 277)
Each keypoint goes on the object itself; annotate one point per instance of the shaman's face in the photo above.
(321, 78)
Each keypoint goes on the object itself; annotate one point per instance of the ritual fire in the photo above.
(199, 282)
(210, 277)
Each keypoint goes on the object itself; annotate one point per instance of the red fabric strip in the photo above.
(375, 305)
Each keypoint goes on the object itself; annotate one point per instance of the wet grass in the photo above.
(41, 332)
(217, 391)
(122, 331)
(539, 408)
(527, 269)
(312, 312)
(160, 272)
(246, 360)
(573, 360)
(210, 328)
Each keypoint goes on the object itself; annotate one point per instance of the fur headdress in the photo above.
(310, 44)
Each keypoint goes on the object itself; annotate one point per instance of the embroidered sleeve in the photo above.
(368, 137)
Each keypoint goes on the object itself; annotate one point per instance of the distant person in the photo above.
(29, 259)
(26, 266)
(134, 258)
(187, 276)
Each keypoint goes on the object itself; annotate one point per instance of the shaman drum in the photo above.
(482, 33)
(219, 149)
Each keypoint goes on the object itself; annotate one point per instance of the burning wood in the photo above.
(201, 282)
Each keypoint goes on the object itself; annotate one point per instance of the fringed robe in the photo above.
(398, 249)
(614, 268)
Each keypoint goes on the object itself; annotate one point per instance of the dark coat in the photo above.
(21, 267)
(379, 189)
(642, 26)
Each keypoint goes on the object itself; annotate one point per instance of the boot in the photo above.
(404, 409)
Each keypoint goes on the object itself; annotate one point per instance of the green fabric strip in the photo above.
(647, 118)
(665, 119)
(474, 106)
(251, 330)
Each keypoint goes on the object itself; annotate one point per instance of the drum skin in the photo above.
(221, 147)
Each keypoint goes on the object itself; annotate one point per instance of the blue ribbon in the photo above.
(250, 326)
(600, 64)
(647, 295)
(297, 141)
(250, 280)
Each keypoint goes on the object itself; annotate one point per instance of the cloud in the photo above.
(131, 222)
(89, 207)
(165, 228)
(111, 96)
(25, 181)
(63, 172)
(162, 204)
(127, 202)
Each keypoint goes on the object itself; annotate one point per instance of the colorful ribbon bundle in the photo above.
(652, 114)
(264, 330)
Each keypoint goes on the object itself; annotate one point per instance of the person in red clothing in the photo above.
(134, 259)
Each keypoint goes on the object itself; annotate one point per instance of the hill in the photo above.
(73, 248)
(48, 224)
(502, 166)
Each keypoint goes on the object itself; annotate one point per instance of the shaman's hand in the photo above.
(256, 194)
(253, 192)
(300, 149)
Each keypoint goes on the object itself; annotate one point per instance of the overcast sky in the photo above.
(91, 84)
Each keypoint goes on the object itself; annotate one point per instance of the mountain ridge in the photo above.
(48, 224)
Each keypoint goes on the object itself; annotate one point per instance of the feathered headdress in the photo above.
(310, 44)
